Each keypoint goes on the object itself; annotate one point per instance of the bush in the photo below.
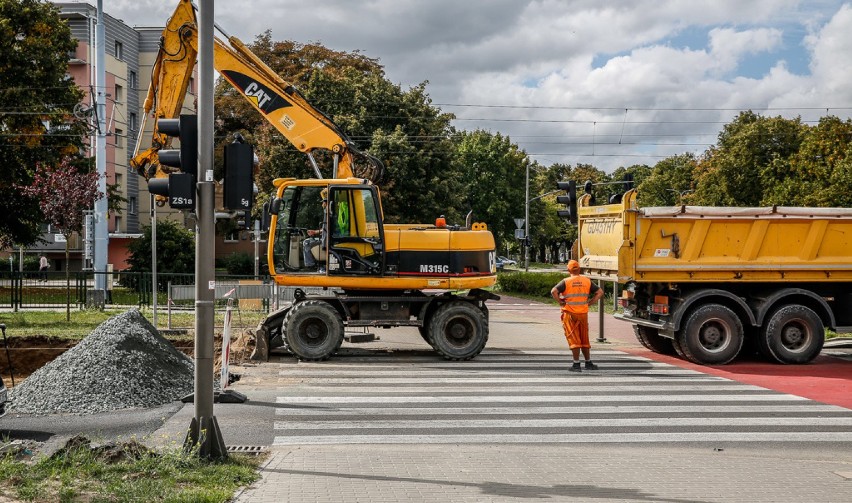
(529, 283)
(239, 263)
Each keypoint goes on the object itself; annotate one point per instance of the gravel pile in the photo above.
(123, 363)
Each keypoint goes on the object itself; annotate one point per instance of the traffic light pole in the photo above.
(204, 430)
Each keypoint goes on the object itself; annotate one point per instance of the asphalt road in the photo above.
(516, 326)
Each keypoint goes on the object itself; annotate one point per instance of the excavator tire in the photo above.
(458, 330)
(313, 330)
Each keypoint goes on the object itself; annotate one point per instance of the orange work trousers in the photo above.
(576, 328)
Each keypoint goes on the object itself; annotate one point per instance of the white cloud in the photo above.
(576, 65)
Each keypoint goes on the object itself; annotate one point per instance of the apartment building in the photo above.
(130, 55)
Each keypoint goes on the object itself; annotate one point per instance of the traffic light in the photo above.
(186, 157)
(179, 187)
(570, 200)
(587, 188)
(628, 181)
(238, 189)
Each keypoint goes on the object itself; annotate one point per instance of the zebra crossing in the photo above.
(530, 397)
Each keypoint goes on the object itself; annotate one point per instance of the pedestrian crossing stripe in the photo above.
(622, 438)
(800, 409)
(421, 400)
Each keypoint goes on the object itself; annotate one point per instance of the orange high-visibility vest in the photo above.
(576, 294)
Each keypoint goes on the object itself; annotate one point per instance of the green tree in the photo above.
(398, 126)
(670, 182)
(36, 102)
(494, 171)
(175, 249)
(820, 173)
(751, 155)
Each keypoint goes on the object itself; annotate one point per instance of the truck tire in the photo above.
(712, 335)
(793, 334)
(651, 339)
(313, 330)
(424, 332)
(458, 330)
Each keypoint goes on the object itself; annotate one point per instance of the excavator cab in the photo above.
(329, 229)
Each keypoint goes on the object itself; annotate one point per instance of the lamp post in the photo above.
(680, 194)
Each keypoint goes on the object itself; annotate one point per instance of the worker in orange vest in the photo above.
(573, 294)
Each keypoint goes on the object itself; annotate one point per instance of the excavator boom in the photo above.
(307, 128)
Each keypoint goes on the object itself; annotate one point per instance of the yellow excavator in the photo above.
(330, 234)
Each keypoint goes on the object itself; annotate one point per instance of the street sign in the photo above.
(519, 233)
(519, 222)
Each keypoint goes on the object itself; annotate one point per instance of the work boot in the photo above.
(590, 365)
(575, 368)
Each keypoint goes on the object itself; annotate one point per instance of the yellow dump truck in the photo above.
(705, 282)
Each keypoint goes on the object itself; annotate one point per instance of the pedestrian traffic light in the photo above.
(178, 187)
(570, 199)
(238, 190)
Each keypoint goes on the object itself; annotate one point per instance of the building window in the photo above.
(233, 236)
(118, 180)
(132, 122)
(118, 225)
(119, 50)
(131, 81)
(119, 138)
(119, 93)
(131, 206)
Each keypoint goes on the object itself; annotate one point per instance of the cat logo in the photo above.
(257, 95)
(261, 96)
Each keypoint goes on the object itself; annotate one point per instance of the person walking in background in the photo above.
(43, 266)
(573, 293)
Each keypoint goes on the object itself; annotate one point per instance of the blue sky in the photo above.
(608, 83)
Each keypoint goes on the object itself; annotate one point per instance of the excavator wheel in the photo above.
(313, 330)
(458, 330)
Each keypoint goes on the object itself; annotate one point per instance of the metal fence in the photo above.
(53, 290)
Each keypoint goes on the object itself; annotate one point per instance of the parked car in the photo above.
(505, 261)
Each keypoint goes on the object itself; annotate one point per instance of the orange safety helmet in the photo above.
(573, 267)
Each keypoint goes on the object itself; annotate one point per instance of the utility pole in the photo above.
(527, 223)
(204, 429)
(101, 244)
(154, 256)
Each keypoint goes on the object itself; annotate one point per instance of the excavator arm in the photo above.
(280, 103)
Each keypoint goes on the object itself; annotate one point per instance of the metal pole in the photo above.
(256, 248)
(601, 337)
(204, 429)
(527, 223)
(101, 244)
(154, 256)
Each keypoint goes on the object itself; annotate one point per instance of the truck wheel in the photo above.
(424, 332)
(458, 330)
(712, 335)
(313, 330)
(793, 334)
(651, 339)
